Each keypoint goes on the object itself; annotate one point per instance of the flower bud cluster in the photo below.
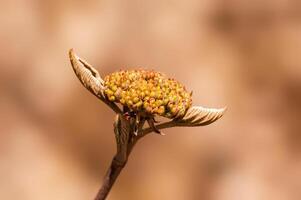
(147, 92)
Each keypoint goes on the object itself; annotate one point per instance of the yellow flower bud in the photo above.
(161, 110)
(129, 102)
(152, 94)
(109, 92)
(145, 104)
(138, 104)
(135, 99)
(112, 98)
(114, 88)
(122, 101)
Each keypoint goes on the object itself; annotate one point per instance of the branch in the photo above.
(125, 140)
(110, 178)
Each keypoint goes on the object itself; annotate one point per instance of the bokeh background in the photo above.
(56, 139)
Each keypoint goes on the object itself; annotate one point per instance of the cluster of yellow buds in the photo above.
(147, 92)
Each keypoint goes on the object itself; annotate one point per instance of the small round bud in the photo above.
(114, 88)
(122, 101)
(161, 110)
(138, 104)
(109, 92)
(112, 98)
(135, 99)
(129, 102)
(152, 94)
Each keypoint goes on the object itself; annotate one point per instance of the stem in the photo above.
(125, 142)
(110, 178)
(117, 164)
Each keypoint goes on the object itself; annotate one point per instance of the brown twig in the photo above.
(110, 178)
(126, 140)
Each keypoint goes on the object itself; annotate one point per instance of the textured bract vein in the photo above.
(147, 92)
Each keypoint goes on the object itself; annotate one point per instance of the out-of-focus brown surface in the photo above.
(56, 139)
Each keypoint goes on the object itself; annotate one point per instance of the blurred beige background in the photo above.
(56, 139)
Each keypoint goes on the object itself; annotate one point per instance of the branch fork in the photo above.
(129, 129)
